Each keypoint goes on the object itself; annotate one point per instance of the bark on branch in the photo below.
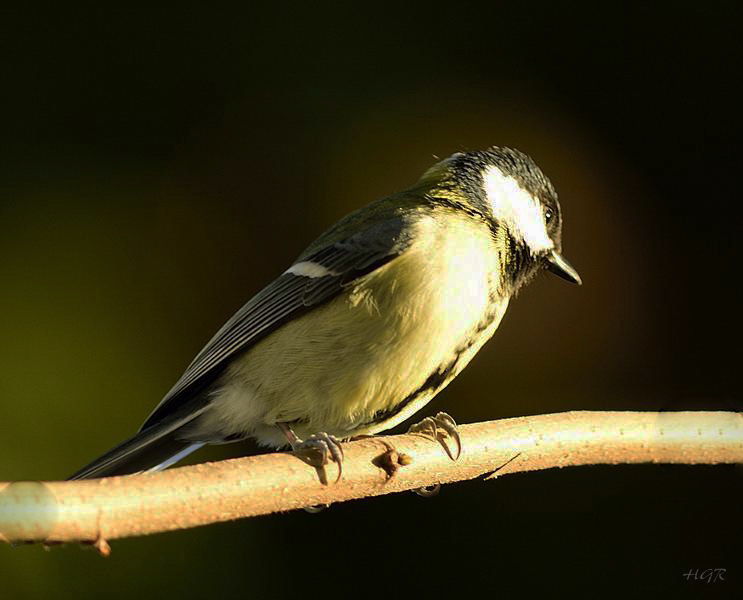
(104, 509)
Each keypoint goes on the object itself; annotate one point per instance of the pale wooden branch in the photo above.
(180, 498)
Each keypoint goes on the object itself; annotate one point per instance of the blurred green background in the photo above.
(158, 166)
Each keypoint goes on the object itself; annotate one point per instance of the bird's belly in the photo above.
(370, 357)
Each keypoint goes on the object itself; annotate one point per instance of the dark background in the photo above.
(158, 166)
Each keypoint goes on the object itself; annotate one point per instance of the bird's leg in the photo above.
(438, 429)
(317, 451)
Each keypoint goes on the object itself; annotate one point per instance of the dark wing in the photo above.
(288, 296)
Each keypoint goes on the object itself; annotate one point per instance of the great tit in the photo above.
(371, 321)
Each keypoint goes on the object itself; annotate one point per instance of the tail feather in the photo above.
(151, 449)
(177, 457)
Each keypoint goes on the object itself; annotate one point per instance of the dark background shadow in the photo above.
(157, 167)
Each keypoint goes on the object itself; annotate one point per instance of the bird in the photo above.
(370, 322)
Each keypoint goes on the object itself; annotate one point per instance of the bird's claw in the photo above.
(439, 428)
(428, 491)
(317, 451)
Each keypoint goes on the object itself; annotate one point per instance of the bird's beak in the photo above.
(559, 266)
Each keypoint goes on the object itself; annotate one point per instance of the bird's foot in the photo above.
(428, 491)
(439, 429)
(317, 451)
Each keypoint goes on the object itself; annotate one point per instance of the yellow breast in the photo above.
(369, 349)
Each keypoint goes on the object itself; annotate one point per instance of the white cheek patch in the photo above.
(514, 206)
(307, 268)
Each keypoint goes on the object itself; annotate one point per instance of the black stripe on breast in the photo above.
(436, 380)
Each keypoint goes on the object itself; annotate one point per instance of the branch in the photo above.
(116, 507)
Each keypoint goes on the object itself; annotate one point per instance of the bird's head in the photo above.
(509, 191)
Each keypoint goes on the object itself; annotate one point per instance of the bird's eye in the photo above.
(549, 214)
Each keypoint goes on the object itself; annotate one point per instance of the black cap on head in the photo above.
(470, 166)
(468, 170)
